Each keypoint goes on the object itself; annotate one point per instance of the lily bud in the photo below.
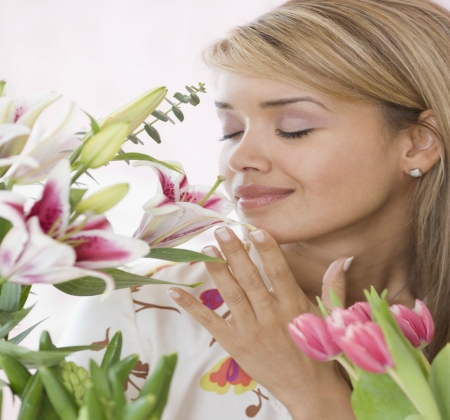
(103, 200)
(102, 147)
(417, 324)
(136, 111)
(311, 335)
(365, 346)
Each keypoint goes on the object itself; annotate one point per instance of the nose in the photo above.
(249, 154)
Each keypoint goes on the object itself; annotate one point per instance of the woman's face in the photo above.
(336, 175)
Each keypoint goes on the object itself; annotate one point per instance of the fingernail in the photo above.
(223, 234)
(348, 263)
(173, 293)
(209, 251)
(258, 235)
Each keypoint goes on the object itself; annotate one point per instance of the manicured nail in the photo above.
(173, 293)
(258, 235)
(223, 234)
(209, 251)
(348, 263)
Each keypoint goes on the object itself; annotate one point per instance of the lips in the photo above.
(253, 196)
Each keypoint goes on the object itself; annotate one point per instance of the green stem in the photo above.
(394, 375)
(220, 179)
(348, 367)
(81, 170)
(76, 153)
(155, 120)
(425, 361)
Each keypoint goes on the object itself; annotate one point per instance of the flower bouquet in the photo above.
(380, 347)
(65, 239)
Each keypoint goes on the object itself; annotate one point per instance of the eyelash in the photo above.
(294, 135)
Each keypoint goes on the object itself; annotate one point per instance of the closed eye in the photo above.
(295, 134)
(229, 136)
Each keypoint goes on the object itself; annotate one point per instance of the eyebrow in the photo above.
(276, 103)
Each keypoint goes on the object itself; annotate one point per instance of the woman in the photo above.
(336, 134)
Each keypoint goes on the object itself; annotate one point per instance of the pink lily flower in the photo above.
(340, 319)
(46, 148)
(417, 324)
(311, 335)
(180, 211)
(29, 256)
(95, 245)
(365, 346)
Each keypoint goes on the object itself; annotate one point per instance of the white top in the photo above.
(207, 384)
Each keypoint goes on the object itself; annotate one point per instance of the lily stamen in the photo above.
(220, 179)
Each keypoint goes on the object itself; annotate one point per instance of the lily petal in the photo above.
(11, 207)
(217, 202)
(30, 107)
(53, 208)
(103, 249)
(6, 110)
(11, 248)
(9, 132)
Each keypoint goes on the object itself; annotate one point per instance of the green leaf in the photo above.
(153, 133)
(35, 359)
(8, 320)
(94, 125)
(113, 351)
(140, 409)
(182, 98)
(180, 255)
(160, 115)
(335, 301)
(16, 373)
(134, 139)
(90, 286)
(195, 99)
(19, 337)
(24, 296)
(190, 90)
(177, 112)
(414, 417)
(76, 195)
(5, 226)
(10, 297)
(142, 156)
(440, 381)
(408, 365)
(377, 396)
(322, 307)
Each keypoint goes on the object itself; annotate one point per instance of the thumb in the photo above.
(335, 278)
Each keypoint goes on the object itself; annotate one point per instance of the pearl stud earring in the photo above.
(416, 173)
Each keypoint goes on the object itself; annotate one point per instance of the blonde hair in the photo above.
(395, 53)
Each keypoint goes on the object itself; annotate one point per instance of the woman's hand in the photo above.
(257, 337)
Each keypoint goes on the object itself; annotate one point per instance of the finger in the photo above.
(335, 278)
(212, 322)
(283, 282)
(244, 270)
(230, 290)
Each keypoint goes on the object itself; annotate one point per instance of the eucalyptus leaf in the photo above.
(177, 112)
(34, 359)
(440, 381)
(19, 337)
(142, 156)
(189, 89)
(160, 115)
(91, 286)
(180, 255)
(5, 226)
(153, 133)
(10, 297)
(182, 98)
(195, 98)
(377, 396)
(134, 139)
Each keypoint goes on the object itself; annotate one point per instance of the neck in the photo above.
(382, 251)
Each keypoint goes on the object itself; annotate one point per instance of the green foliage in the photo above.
(144, 157)
(180, 255)
(440, 381)
(152, 132)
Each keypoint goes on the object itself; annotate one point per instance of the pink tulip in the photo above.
(365, 346)
(179, 211)
(340, 319)
(362, 309)
(311, 335)
(417, 324)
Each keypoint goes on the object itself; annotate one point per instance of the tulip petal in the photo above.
(53, 208)
(103, 249)
(11, 207)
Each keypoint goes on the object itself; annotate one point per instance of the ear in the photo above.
(421, 145)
